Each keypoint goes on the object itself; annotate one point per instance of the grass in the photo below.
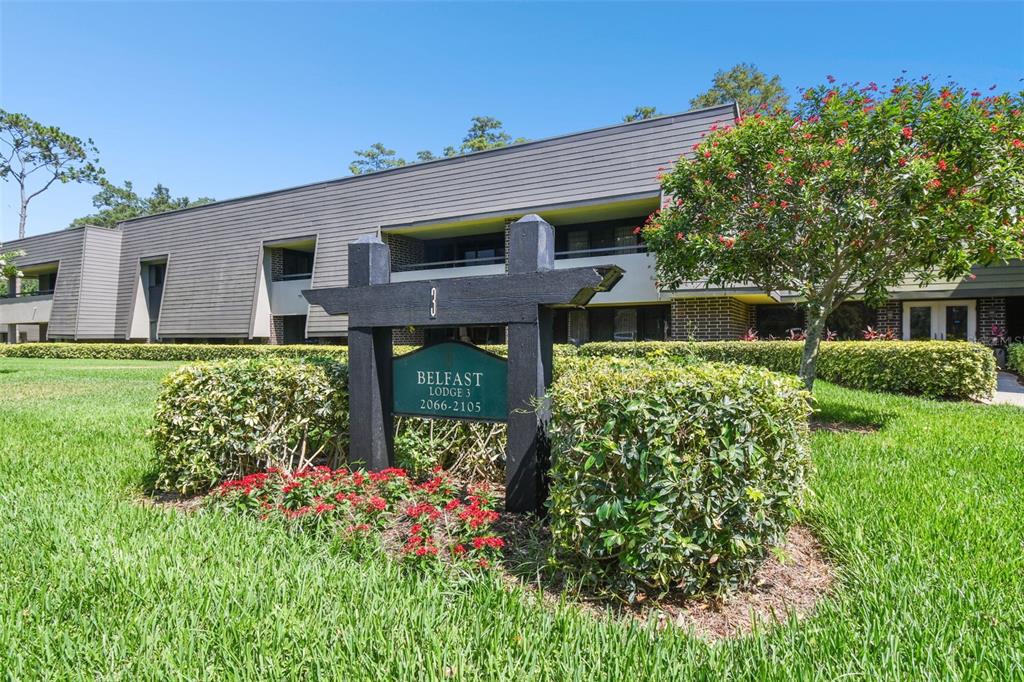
(924, 517)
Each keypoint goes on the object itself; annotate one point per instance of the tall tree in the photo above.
(863, 188)
(640, 113)
(485, 132)
(116, 203)
(376, 158)
(35, 156)
(746, 85)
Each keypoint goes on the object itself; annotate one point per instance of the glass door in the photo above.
(942, 320)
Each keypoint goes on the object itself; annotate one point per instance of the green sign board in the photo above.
(451, 380)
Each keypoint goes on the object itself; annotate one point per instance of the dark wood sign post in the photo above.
(520, 299)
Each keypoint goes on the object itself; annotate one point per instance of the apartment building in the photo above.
(233, 271)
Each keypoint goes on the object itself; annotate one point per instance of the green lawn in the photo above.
(925, 519)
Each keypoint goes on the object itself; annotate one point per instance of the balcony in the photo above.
(286, 295)
(31, 309)
(466, 267)
(636, 285)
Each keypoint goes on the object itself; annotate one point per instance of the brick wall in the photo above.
(408, 337)
(276, 265)
(276, 329)
(405, 251)
(709, 319)
(890, 318)
(991, 312)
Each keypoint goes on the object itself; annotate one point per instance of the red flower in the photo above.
(942, 165)
(636, 230)
(728, 242)
(841, 141)
(488, 541)
(769, 166)
(459, 550)
(783, 203)
(731, 175)
(908, 132)
(902, 161)
(680, 236)
(935, 183)
(707, 155)
(455, 504)
(1016, 142)
(756, 204)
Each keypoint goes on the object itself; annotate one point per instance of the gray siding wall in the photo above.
(213, 251)
(64, 246)
(101, 263)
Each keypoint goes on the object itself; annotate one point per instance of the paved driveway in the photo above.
(1009, 391)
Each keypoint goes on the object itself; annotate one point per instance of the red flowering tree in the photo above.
(860, 189)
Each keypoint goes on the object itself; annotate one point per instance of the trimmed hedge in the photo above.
(164, 351)
(220, 420)
(1015, 353)
(668, 476)
(933, 369)
(187, 352)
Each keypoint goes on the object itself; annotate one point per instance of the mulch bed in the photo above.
(790, 585)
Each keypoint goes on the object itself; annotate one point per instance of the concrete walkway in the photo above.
(1009, 391)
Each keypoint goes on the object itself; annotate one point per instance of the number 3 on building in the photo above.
(433, 301)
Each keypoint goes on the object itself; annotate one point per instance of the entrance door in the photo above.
(943, 320)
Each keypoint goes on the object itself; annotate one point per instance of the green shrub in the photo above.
(188, 352)
(1016, 356)
(673, 476)
(933, 369)
(164, 351)
(225, 419)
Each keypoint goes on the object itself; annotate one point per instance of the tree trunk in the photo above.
(22, 215)
(815, 327)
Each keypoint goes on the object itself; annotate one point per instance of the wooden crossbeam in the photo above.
(495, 299)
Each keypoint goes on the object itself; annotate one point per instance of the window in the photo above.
(776, 320)
(296, 264)
(614, 236)
(47, 283)
(920, 323)
(1015, 319)
(625, 324)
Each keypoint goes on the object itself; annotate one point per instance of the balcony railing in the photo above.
(498, 260)
(606, 251)
(462, 263)
(294, 275)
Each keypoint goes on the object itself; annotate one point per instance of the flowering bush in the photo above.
(435, 522)
(859, 189)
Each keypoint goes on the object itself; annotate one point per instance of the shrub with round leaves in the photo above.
(934, 369)
(673, 477)
(226, 419)
(1016, 356)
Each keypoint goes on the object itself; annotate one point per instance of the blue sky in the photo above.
(228, 98)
